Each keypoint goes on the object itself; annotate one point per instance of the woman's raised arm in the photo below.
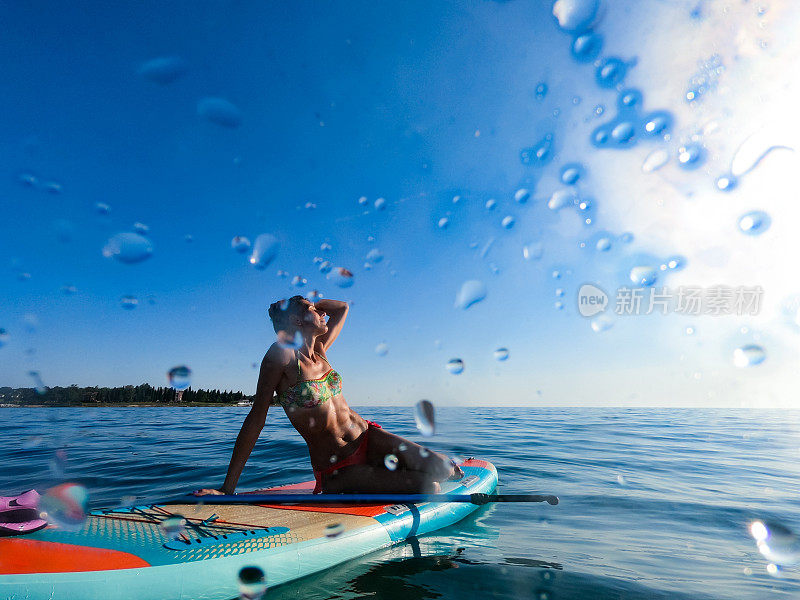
(337, 313)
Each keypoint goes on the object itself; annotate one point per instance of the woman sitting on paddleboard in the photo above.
(348, 453)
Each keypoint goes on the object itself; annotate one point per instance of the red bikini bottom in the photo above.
(359, 457)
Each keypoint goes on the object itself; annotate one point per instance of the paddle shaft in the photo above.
(359, 498)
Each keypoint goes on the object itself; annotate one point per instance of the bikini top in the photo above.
(310, 393)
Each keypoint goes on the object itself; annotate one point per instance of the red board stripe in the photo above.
(18, 555)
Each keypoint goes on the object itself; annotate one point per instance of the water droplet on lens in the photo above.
(749, 355)
(691, 156)
(623, 132)
(471, 292)
(541, 91)
(655, 160)
(754, 223)
(726, 183)
(65, 505)
(32, 442)
(790, 309)
(626, 238)
(533, 251)
(559, 305)
(610, 72)
(39, 385)
(28, 179)
(657, 123)
(380, 204)
(101, 208)
(163, 70)
(424, 416)
(325, 267)
(629, 99)
(252, 584)
(643, 275)
(240, 243)
(776, 542)
(508, 222)
(455, 366)
(374, 256)
(501, 354)
(179, 377)
(603, 244)
(69, 290)
(325, 247)
(575, 15)
(602, 323)
(443, 223)
(173, 526)
(586, 47)
(4, 337)
(571, 173)
(128, 248)
(129, 302)
(382, 349)
(522, 195)
(601, 135)
(298, 281)
(219, 111)
(562, 199)
(265, 248)
(689, 330)
(490, 204)
(141, 228)
(314, 296)
(390, 461)
(538, 154)
(676, 263)
(341, 277)
(292, 341)
(334, 530)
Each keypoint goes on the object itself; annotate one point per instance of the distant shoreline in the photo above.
(117, 405)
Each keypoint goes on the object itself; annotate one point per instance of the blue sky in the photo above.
(415, 103)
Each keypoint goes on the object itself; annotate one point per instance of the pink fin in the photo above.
(21, 527)
(29, 499)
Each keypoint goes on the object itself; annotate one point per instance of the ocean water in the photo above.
(655, 503)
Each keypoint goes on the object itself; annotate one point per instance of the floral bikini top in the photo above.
(310, 393)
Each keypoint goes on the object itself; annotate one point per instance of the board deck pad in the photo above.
(127, 551)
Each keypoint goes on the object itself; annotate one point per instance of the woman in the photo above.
(348, 453)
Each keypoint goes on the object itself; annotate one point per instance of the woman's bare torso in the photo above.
(330, 429)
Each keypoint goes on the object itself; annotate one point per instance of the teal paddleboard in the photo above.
(144, 553)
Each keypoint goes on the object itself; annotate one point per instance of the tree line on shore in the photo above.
(129, 394)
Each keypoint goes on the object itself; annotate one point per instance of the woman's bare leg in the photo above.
(410, 456)
(367, 479)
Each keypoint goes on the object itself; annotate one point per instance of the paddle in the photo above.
(359, 498)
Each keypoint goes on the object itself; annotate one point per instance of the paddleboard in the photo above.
(135, 553)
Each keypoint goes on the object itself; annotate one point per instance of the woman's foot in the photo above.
(457, 472)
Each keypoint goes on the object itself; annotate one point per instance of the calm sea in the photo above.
(654, 503)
